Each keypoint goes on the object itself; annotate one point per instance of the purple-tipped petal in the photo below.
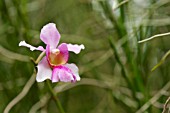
(65, 76)
(62, 73)
(74, 70)
(75, 48)
(44, 70)
(50, 35)
(32, 48)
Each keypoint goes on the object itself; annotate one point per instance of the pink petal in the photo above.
(55, 74)
(74, 70)
(64, 51)
(65, 76)
(44, 70)
(50, 35)
(62, 73)
(75, 48)
(32, 48)
(47, 52)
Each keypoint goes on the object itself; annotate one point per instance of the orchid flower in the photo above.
(54, 65)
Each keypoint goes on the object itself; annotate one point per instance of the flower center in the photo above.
(56, 58)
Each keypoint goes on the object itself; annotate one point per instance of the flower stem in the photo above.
(55, 97)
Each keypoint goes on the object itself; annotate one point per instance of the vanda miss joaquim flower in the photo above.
(54, 65)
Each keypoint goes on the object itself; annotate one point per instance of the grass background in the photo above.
(115, 69)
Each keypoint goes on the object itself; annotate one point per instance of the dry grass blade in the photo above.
(121, 3)
(153, 37)
(84, 81)
(25, 90)
(154, 98)
(22, 94)
(13, 56)
(162, 60)
(40, 103)
(166, 104)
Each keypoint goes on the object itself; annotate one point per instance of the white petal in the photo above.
(44, 71)
(74, 69)
(50, 35)
(32, 48)
(75, 48)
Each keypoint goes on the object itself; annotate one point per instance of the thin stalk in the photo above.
(25, 90)
(55, 97)
(162, 60)
(22, 94)
(153, 37)
(165, 105)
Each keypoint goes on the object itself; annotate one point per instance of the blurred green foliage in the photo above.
(115, 69)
